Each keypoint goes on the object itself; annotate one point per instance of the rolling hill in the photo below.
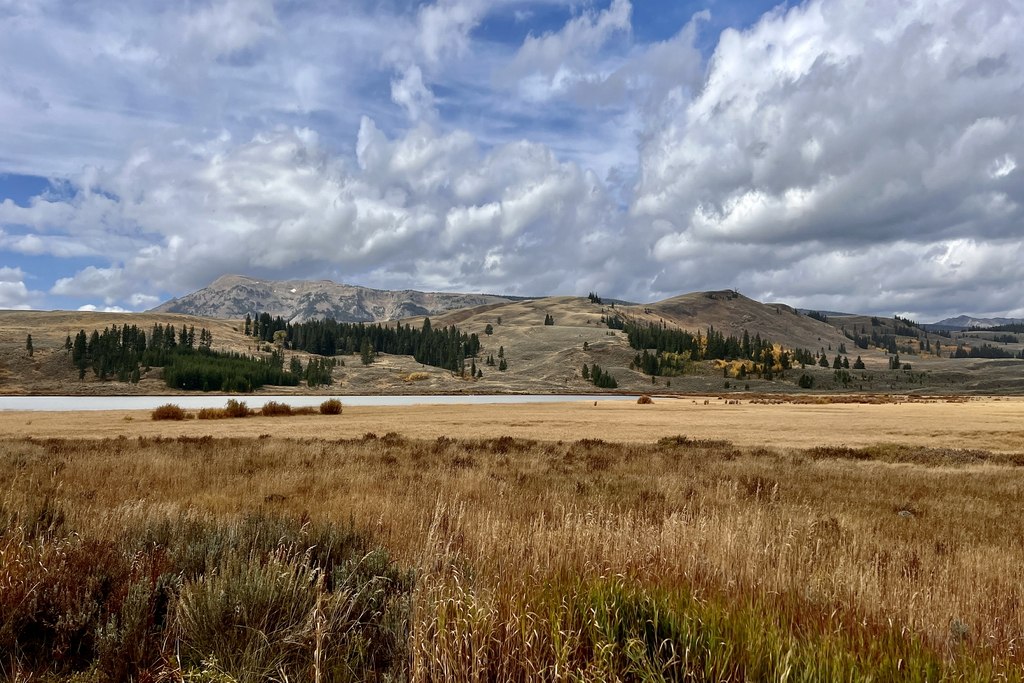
(541, 358)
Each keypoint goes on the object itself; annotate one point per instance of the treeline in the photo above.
(599, 377)
(984, 351)
(446, 348)
(188, 360)
(231, 372)
(713, 345)
(673, 348)
(120, 352)
(884, 340)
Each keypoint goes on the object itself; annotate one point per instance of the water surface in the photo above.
(196, 401)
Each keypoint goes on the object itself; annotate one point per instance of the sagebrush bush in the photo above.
(331, 406)
(211, 414)
(262, 598)
(275, 409)
(236, 409)
(645, 400)
(168, 411)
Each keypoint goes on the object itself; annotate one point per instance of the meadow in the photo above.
(389, 558)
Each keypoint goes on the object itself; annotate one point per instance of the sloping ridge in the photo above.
(726, 311)
(731, 313)
(235, 296)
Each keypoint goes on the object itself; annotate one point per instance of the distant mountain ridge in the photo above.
(234, 296)
(962, 322)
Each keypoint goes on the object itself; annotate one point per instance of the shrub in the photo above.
(645, 400)
(168, 411)
(211, 414)
(417, 376)
(275, 409)
(331, 406)
(304, 410)
(236, 409)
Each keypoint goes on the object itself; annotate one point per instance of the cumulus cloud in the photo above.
(555, 60)
(836, 155)
(92, 308)
(282, 205)
(824, 135)
(13, 292)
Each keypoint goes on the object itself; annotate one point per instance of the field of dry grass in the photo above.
(383, 557)
(995, 424)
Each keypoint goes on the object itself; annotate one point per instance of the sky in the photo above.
(861, 156)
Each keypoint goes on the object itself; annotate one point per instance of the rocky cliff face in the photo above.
(233, 296)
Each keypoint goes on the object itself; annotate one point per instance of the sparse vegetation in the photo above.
(419, 376)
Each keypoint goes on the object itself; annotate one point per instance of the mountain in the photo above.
(234, 296)
(962, 322)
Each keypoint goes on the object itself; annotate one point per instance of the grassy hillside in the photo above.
(549, 358)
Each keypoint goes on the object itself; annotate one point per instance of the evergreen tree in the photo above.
(248, 325)
(366, 352)
(501, 352)
(858, 364)
(586, 372)
(28, 345)
(503, 366)
(489, 330)
(823, 361)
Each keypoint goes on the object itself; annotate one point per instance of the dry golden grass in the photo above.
(851, 561)
(992, 424)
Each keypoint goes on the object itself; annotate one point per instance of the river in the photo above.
(193, 402)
